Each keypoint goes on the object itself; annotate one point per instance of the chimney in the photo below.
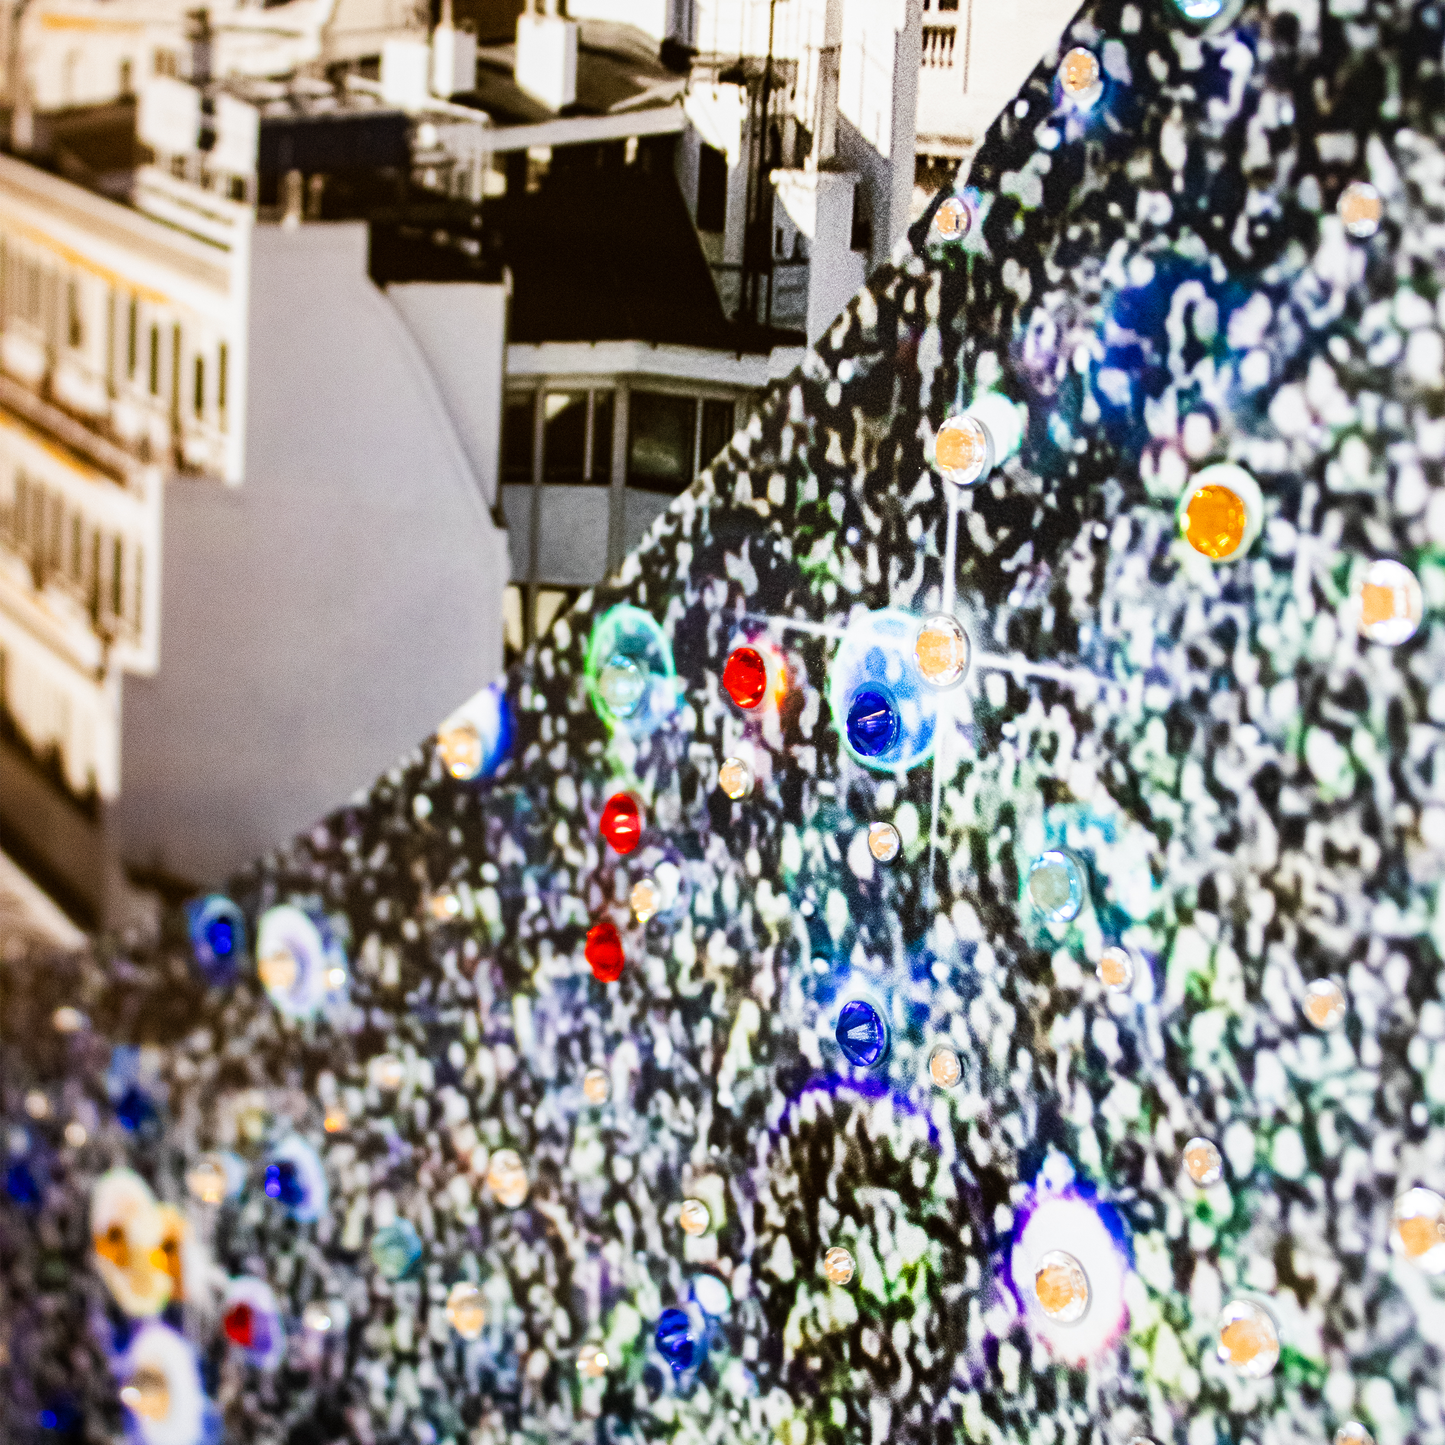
(546, 65)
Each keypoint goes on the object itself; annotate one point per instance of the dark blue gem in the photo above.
(283, 1183)
(862, 1034)
(59, 1415)
(674, 1343)
(20, 1184)
(221, 937)
(872, 722)
(133, 1109)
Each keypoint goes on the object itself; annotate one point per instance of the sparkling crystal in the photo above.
(75, 1134)
(1116, 969)
(207, 1179)
(1353, 1433)
(278, 971)
(604, 952)
(646, 899)
(1216, 521)
(883, 841)
(336, 1119)
(963, 450)
(596, 1086)
(1056, 886)
(466, 1309)
(1360, 209)
(147, 1394)
(1079, 76)
(1387, 601)
(953, 219)
(592, 1362)
(735, 778)
(282, 1182)
(942, 650)
(1324, 1004)
(621, 685)
(444, 905)
(67, 1020)
(395, 1249)
(872, 724)
(460, 749)
(1203, 1162)
(838, 1266)
(745, 677)
(507, 1179)
(241, 1325)
(693, 1217)
(335, 979)
(621, 822)
(1061, 1287)
(316, 1318)
(388, 1072)
(1417, 1229)
(862, 1033)
(944, 1067)
(674, 1340)
(1248, 1339)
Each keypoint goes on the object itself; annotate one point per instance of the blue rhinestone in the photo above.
(674, 1343)
(283, 1183)
(20, 1184)
(221, 937)
(133, 1109)
(862, 1034)
(872, 722)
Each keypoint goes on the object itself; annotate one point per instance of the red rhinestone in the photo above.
(622, 822)
(604, 951)
(745, 676)
(239, 1324)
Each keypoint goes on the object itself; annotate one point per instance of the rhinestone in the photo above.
(1061, 1287)
(37, 1105)
(1324, 1004)
(953, 219)
(67, 1020)
(735, 778)
(592, 1362)
(1203, 1162)
(1417, 1229)
(1079, 76)
(147, 1394)
(278, 971)
(872, 725)
(603, 951)
(336, 979)
(942, 650)
(1116, 969)
(1198, 11)
(862, 1034)
(621, 823)
(646, 899)
(466, 1310)
(335, 1120)
(75, 1134)
(838, 1266)
(944, 1068)
(1248, 1339)
(621, 685)
(388, 1072)
(694, 1218)
(883, 841)
(1353, 1433)
(316, 1318)
(444, 905)
(596, 1086)
(460, 748)
(963, 450)
(1056, 886)
(674, 1340)
(207, 1179)
(395, 1249)
(1360, 209)
(745, 677)
(1215, 522)
(1388, 602)
(507, 1179)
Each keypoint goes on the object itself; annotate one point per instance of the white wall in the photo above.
(324, 616)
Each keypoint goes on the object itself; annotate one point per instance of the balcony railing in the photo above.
(939, 44)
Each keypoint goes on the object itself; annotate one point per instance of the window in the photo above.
(717, 429)
(155, 361)
(712, 189)
(517, 427)
(571, 451)
(200, 397)
(660, 442)
(165, 62)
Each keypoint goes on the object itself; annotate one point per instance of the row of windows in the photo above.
(62, 547)
(669, 438)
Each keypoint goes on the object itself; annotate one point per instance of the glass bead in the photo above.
(1203, 1162)
(596, 1086)
(208, 1179)
(953, 219)
(1417, 1229)
(1388, 602)
(1061, 1287)
(745, 677)
(621, 823)
(316, 1318)
(693, 1218)
(963, 450)
(1079, 76)
(466, 1309)
(604, 952)
(1215, 522)
(862, 1033)
(1056, 886)
(217, 929)
(67, 1020)
(838, 1266)
(942, 651)
(460, 749)
(388, 1072)
(75, 1134)
(282, 1183)
(147, 1394)
(872, 722)
(646, 899)
(1360, 209)
(1324, 1004)
(621, 685)
(335, 1120)
(945, 1068)
(278, 971)
(674, 1340)
(507, 1178)
(240, 1325)
(1248, 1339)
(1116, 969)
(592, 1362)
(883, 841)
(735, 778)
(396, 1249)
(1353, 1433)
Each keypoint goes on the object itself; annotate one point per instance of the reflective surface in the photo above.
(1061, 1287)
(1417, 1229)
(883, 841)
(1361, 209)
(838, 1265)
(604, 951)
(1116, 970)
(1387, 602)
(1080, 78)
(1324, 1004)
(942, 651)
(1056, 886)
(1248, 1339)
(735, 778)
(1203, 1162)
(862, 1033)
(963, 451)
(466, 1310)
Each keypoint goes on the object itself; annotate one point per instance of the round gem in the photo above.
(745, 677)
(942, 651)
(75, 1134)
(1116, 969)
(1248, 1339)
(67, 1020)
(1079, 76)
(147, 1394)
(1324, 1004)
(883, 841)
(674, 1340)
(596, 1086)
(872, 722)
(388, 1072)
(1417, 1229)
(1061, 1287)
(395, 1249)
(693, 1217)
(963, 450)
(316, 1318)
(735, 778)
(945, 1068)
(1360, 209)
(1388, 602)
(603, 951)
(282, 1182)
(1203, 1162)
(838, 1266)
(507, 1178)
(592, 1362)
(444, 905)
(220, 934)
(207, 1179)
(1215, 522)
(621, 685)
(37, 1105)
(336, 976)
(646, 899)
(335, 1120)
(621, 823)
(1353, 1433)
(861, 1033)
(953, 219)
(460, 749)
(466, 1309)
(278, 971)
(239, 1324)
(1056, 886)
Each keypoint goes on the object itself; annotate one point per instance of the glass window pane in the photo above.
(602, 438)
(660, 442)
(564, 436)
(717, 429)
(517, 437)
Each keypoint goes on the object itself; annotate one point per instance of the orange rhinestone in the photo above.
(1215, 521)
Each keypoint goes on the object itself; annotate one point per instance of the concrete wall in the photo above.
(325, 615)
